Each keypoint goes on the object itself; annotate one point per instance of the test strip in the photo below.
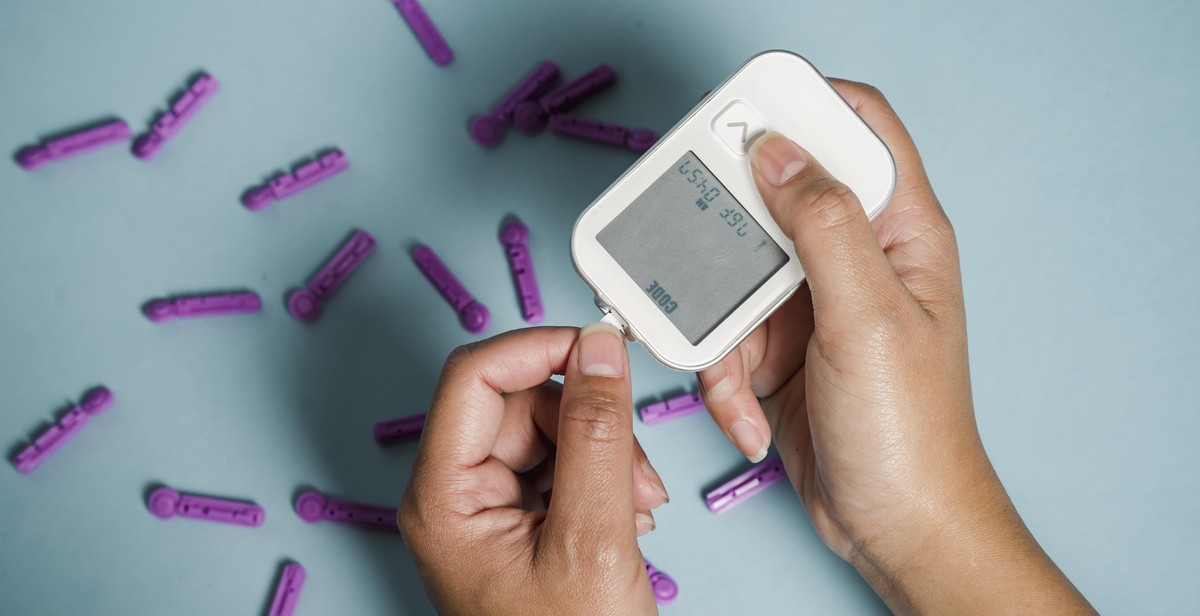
(674, 408)
(78, 142)
(305, 305)
(312, 507)
(664, 586)
(94, 402)
(515, 239)
(749, 483)
(166, 503)
(167, 308)
(425, 31)
(473, 315)
(638, 140)
(530, 116)
(182, 110)
(287, 592)
(305, 176)
(488, 129)
(401, 429)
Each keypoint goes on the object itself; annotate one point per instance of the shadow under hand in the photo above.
(357, 364)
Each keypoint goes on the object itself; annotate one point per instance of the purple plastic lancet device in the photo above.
(165, 503)
(674, 408)
(305, 176)
(287, 593)
(473, 315)
(167, 308)
(530, 116)
(305, 305)
(488, 129)
(182, 110)
(94, 402)
(426, 32)
(88, 139)
(639, 139)
(402, 429)
(312, 507)
(749, 483)
(515, 238)
(665, 588)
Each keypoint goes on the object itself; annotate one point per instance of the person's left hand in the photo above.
(500, 437)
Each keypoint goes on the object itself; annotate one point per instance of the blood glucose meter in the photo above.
(681, 251)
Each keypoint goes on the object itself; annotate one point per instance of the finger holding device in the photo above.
(681, 251)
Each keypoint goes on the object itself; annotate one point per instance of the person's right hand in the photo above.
(864, 382)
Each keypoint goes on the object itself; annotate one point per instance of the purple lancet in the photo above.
(638, 140)
(515, 239)
(488, 129)
(530, 116)
(305, 176)
(167, 308)
(749, 483)
(664, 586)
(673, 408)
(182, 110)
(401, 429)
(287, 592)
(473, 315)
(78, 142)
(425, 31)
(166, 503)
(94, 402)
(312, 507)
(305, 304)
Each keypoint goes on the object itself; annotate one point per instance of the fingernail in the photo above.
(645, 523)
(601, 350)
(656, 482)
(747, 437)
(777, 159)
(717, 384)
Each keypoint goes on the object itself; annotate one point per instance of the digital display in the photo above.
(692, 248)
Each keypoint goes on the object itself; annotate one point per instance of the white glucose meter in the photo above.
(681, 251)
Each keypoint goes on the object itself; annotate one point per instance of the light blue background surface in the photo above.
(1061, 137)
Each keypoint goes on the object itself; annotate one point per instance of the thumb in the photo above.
(847, 271)
(592, 500)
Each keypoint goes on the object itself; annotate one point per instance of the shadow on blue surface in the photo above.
(376, 354)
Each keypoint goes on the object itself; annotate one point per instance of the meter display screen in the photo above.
(692, 248)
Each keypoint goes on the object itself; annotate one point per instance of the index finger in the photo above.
(468, 407)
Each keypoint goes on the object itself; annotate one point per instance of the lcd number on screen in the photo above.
(696, 177)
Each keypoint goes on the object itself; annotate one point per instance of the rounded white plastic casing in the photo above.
(774, 91)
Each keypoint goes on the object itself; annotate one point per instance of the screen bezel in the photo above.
(771, 84)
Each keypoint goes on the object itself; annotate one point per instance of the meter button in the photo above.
(738, 126)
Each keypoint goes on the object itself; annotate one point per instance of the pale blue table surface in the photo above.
(1061, 137)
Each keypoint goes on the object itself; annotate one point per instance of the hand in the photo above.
(864, 382)
(499, 439)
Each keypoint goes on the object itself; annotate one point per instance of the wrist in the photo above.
(970, 553)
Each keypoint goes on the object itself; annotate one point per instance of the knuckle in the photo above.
(831, 205)
(410, 519)
(406, 517)
(587, 556)
(873, 93)
(461, 363)
(460, 357)
(596, 417)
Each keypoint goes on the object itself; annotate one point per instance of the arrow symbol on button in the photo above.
(744, 128)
